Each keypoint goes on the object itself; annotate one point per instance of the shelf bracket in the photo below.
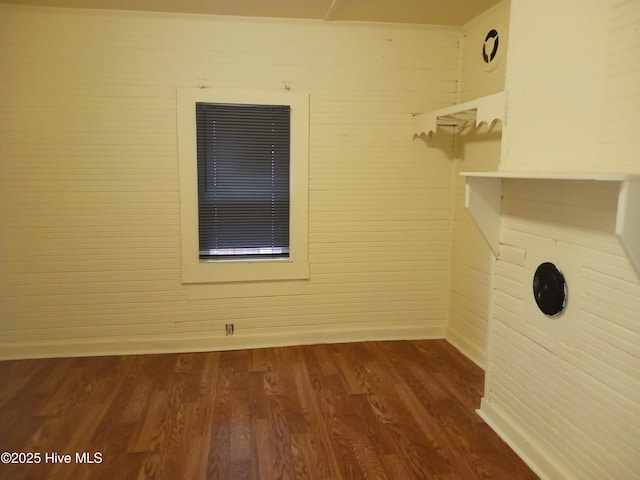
(628, 221)
(483, 200)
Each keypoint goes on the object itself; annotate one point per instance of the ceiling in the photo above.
(435, 12)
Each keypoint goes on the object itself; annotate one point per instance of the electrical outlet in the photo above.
(230, 328)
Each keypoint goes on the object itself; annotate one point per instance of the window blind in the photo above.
(243, 180)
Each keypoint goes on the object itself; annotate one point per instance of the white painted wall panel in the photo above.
(619, 124)
(565, 390)
(90, 192)
(478, 79)
(573, 92)
(471, 259)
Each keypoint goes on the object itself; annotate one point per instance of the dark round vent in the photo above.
(549, 289)
(490, 46)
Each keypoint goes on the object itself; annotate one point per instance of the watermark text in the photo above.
(24, 458)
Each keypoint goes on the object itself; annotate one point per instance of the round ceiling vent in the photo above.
(549, 289)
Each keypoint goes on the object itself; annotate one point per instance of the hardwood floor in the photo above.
(374, 410)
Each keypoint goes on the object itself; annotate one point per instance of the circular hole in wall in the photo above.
(549, 289)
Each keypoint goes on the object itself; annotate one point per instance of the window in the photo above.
(243, 163)
(243, 180)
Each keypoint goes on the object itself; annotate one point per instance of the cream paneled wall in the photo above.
(89, 185)
(565, 391)
(476, 78)
(618, 141)
(572, 86)
(471, 260)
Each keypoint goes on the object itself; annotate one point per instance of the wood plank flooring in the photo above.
(375, 410)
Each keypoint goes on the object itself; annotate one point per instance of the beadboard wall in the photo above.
(476, 150)
(90, 190)
(572, 83)
(565, 391)
(477, 79)
(618, 139)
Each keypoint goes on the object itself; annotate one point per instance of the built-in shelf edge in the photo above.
(487, 109)
(483, 199)
(605, 177)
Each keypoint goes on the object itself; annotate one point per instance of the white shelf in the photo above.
(605, 177)
(486, 109)
(484, 202)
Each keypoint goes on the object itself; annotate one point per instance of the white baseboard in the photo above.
(470, 350)
(532, 452)
(203, 343)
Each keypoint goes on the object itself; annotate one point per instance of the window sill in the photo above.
(243, 271)
(205, 291)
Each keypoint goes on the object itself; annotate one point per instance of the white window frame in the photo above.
(296, 266)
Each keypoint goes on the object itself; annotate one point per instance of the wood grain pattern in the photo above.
(374, 410)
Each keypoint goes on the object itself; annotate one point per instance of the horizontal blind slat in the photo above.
(243, 179)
